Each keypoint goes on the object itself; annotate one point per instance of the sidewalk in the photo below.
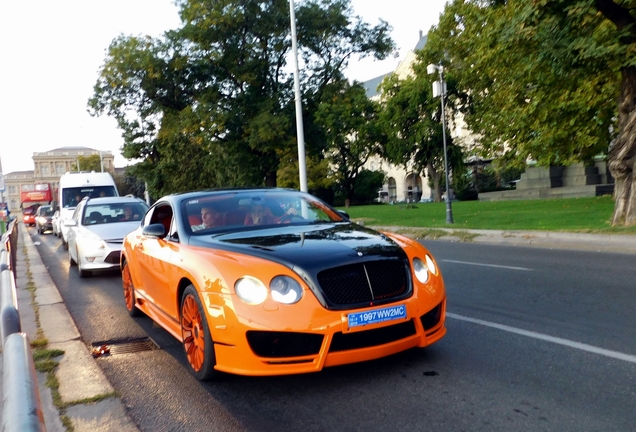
(543, 239)
(80, 379)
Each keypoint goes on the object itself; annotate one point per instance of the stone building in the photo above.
(48, 168)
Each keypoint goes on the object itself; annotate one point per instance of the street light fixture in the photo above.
(439, 89)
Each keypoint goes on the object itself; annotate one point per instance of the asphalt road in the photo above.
(537, 339)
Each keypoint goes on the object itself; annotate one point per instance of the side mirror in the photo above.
(154, 230)
(70, 223)
(344, 214)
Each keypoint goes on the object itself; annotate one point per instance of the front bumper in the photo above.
(102, 259)
(320, 338)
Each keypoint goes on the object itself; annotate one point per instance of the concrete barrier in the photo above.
(22, 408)
(9, 316)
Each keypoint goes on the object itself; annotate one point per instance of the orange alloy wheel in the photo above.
(193, 332)
(197, 342)
(129, 291)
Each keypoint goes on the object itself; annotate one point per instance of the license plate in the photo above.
(377, 315)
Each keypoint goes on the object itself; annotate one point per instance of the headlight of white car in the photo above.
(285, 290)
(91, 242)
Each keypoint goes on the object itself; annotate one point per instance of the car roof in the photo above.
(207, 192)
(115, 200)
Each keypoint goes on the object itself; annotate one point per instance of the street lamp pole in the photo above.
(441, 91)
(302, 167)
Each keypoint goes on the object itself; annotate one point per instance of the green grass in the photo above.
(591, 215)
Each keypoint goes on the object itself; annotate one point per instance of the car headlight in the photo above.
(90, 241)
(285, 290)
(250, 290)
(420, 269)
(431, 265)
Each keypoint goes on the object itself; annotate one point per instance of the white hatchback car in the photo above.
(57, 224)
(97, 229)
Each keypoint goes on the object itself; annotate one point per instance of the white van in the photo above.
(75, 186)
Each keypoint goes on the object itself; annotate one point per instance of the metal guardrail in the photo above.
(22, 409)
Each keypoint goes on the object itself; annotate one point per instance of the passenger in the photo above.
(258, 215)
(210, 218)
(262, 215)
(129, 214)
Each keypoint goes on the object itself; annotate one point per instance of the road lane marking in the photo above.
(488, 265)
(576, 345)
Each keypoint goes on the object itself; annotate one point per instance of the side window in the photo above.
(78, 213)
(162, 214)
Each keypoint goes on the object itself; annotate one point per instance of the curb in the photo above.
(78, 374)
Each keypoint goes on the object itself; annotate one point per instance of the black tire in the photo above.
(193, 322)
(71, 261)
(82, 273)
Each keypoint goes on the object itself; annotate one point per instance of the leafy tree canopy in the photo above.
(541, 79)
(212, 103)
(87, 163)
(412, 119)
(352, 128)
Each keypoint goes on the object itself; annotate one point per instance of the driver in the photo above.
(210, 217)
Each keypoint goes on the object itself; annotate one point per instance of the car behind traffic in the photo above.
(56, 221)
(28, 215)
(44, 218)
(97, 229)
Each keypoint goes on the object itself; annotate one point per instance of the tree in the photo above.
(320, 181)
(411, 118)
(540, 80)
(212, 103)
(352, 131)
(87, 163)
(367, 185)
(129, 185)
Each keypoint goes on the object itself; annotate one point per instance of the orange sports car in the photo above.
(275, 281)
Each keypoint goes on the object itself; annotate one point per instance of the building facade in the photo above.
(48, 168)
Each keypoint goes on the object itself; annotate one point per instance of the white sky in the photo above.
(52, 50)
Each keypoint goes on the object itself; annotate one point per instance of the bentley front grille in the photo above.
(365, 282)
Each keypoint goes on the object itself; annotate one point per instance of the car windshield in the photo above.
(218, 212)
(46, 211)
(95, 214)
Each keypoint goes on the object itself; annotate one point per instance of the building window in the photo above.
(392, 189)
(59, 169)
(44, 170)
(12, 189)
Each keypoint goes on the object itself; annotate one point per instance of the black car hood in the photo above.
(308, 248)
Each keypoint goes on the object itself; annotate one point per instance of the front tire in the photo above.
(197, 342)
(71, 261)
(129, 291)
(82, 273)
